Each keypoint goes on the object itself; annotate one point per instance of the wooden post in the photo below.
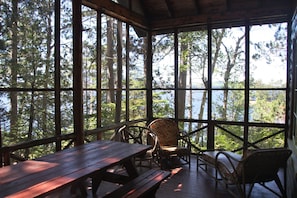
(176, 53)
(149, 79)
(211, 122)
(77, 73)
(247, 87)
(6, 157)
(1, 160)
(99, 86)
(57, 75)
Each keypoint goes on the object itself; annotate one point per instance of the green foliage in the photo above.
(27, 64)
(108, 111)
(269, 106)
(224, 140)
(257, 133)
(137, 104)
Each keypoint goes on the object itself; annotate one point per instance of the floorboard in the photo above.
(184, 182)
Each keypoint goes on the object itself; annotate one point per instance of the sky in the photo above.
(274, 71)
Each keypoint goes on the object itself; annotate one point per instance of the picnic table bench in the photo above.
(145, 185)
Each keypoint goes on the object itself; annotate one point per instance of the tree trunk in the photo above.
(232, 58)
(182, 81)
(218, 42)
(191, 92)
(31, 120)
(47, 75)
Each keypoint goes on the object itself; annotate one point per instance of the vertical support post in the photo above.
(77, 73)
(210, 131)
(246, 86)
(98, 80)
(176, 52)
(119, 83)
(149, 78)
(6, 157)
(127, 72)
(290, 84)
(1, 157)
(57, 75)
(289, 94)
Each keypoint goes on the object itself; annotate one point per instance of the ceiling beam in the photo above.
(170, 8)
(234, 17)
(144, 9)
(198, 8)
(117, 11)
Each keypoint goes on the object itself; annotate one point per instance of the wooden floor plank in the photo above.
(184, 182)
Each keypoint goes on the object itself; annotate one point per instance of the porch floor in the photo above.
(185, 182)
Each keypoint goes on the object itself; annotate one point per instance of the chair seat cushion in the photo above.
(210, 157)
(174, 150)
(224, 165)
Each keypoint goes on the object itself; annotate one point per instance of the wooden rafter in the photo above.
(162, 15)
(267, 15)
(171, 12)
(116, 10)
(198, 8)
(144, 9)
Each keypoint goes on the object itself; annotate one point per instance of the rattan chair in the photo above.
(257, 166)
(173, 143)
(141, 135)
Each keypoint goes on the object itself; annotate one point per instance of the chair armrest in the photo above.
(152, 139)
(226, 163)
(184, 139)
(229, 156)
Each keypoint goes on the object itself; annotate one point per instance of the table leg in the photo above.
(96, 180)
(82, 189)
(130, 168)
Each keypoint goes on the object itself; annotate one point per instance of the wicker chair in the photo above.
(173, 143)
(141, 135)
(257, 166)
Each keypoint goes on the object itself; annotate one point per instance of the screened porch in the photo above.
(73, 72)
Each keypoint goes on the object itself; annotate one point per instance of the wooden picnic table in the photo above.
(48, 174)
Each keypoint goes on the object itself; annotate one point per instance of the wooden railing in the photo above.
(7, 153)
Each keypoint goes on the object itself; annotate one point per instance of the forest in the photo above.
(198, 76)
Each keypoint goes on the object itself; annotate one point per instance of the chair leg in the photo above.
(242, 189)
(197, 162)
(280, 186)
(216, 176)
(250, 190)
(189, 161)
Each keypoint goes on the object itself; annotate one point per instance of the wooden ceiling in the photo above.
(160, 15)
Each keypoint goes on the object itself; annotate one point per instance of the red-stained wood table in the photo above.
(70, 167)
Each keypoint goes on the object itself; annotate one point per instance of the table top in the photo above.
(66, 166)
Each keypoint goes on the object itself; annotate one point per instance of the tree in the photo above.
(184, 43)
(29, 43)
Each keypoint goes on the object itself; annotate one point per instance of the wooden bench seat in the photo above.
(145, 185)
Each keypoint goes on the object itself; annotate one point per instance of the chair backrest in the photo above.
(132, 134)
(118, 134)
(262, 165)
(137, 134)
(167, 131)
(152, 139)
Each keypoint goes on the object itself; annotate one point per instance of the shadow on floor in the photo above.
(185, 182)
